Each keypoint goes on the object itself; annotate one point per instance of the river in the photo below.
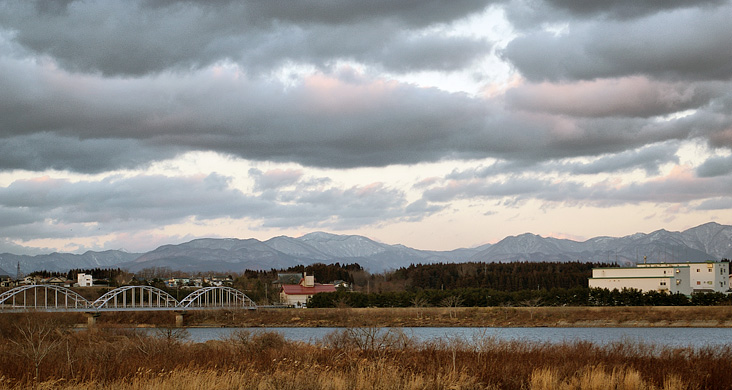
(674, 337)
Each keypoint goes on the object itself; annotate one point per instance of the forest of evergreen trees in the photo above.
(484, 297)
(497, 276)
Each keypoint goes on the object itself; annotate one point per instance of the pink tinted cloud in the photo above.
(623, 97)
(280, 177)
(332, 95)
(722, 138)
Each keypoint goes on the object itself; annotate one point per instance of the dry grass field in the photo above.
(39, 351)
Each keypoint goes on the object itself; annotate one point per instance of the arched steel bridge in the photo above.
(45, 297)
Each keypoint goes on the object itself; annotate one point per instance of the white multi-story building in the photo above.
(705, 276)
(671, 279)
(684, 278)
(84, 280)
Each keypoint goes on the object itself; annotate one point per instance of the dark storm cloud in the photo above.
(139, 37)
(689, 44)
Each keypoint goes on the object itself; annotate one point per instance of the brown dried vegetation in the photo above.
(41, 353)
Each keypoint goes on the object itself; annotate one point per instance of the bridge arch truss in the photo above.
(51, 297)
(223, 297)
(43, 296)
(135, 297)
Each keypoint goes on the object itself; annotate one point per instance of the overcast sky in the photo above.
(128, 124)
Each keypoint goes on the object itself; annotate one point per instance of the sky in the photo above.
(130, 124)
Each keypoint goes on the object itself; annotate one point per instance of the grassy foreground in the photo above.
(36, 351)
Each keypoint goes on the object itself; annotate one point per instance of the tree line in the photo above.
(513, 276)
(484, 297)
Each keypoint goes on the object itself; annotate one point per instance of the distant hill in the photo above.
(705, 242)
(65, 261)
(222, 255)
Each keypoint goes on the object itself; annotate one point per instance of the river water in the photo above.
(673, 337)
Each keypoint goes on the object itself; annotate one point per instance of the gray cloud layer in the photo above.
(689, 44)
(140, 37)
(97, 86)
(147, 91)
(60, 208)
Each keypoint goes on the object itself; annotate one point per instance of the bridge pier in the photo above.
(180, 318)
(91, 318)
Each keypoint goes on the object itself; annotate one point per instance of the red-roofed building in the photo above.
(298, 294)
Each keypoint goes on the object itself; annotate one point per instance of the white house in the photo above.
(705, 276)
(667, 278)
(84, 280)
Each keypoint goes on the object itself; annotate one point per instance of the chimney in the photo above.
(308, 280)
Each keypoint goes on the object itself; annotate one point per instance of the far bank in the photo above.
(638, 316)
(575, 316)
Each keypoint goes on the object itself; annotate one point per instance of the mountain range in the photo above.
(709, 241)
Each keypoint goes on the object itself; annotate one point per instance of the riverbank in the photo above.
(716, 316)
(636, 316)
(35, 353)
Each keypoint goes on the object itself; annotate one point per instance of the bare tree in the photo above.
(419, 302)
(35, 340)
(452, 302)
(507, 307)
(532, 304)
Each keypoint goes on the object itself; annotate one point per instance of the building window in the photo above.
(697, 270)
